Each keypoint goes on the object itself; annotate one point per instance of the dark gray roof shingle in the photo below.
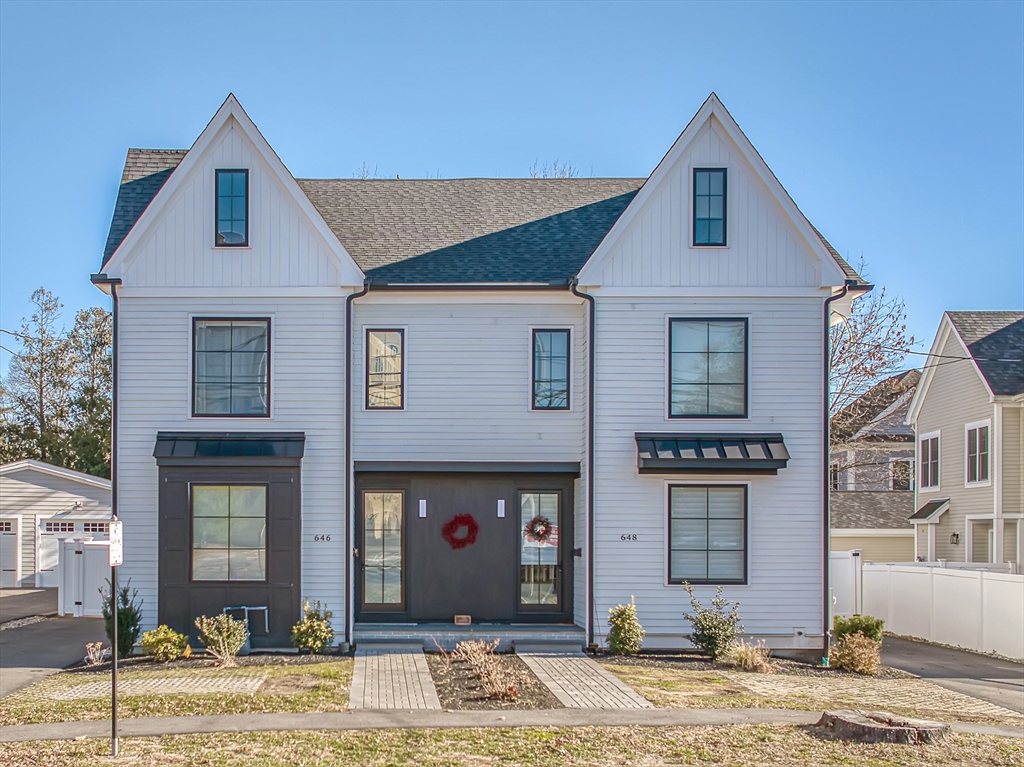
(996, 341)
(871, 509)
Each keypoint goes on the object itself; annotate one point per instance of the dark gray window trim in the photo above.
(270, 360)
(216, 208)
(366, 372)
(746, 538)
(568, 368)
(746, 367)
(191, 529)
(725, 209)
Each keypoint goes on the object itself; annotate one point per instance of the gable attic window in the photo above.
(709, 186)
(232, 209)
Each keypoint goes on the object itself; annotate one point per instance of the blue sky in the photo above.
(898, 128)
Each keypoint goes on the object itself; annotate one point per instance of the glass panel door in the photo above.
(383, 523)
(540, 570)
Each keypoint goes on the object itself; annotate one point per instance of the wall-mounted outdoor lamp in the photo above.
(954, 538)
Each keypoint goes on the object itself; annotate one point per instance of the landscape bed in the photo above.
(459, 689)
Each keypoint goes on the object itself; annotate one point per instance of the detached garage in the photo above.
(41, 505)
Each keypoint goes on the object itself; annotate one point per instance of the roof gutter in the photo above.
(349, 463)
(591, 318)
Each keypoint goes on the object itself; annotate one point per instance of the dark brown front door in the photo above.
(456, 547)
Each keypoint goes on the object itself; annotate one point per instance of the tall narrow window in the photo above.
(229, 532)
(550, 369)
(385, 376)
(382, 548)
(231, 367)
(708, 368)
(232, 208)
(539, 562)
(833, 476)
(709, 206)
(977, 454)
(929, 459)
(708, 534)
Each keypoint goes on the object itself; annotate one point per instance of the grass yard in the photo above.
(750, 746)
(288, 688)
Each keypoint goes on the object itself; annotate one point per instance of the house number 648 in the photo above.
(321, 538)
(628, 536)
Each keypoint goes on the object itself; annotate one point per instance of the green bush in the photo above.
(314, 631)
(129, 617)
(857, 653)
(626, 634)
(163, 643)
(715, 628)
(223, 637)
(858, 624)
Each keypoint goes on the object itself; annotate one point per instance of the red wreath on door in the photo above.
(456, 523)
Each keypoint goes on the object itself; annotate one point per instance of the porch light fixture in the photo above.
(954, 538)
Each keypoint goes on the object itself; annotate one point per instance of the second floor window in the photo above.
(385, 376)
(709, 206)
(708, 368)
(551, 370)
(231, 370)
(232, 209)
(901, 475)
(833, 476)
(929, 459)
(977, 454)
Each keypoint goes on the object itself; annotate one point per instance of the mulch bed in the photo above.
(459, 690)
(683, 661)
(199, 660)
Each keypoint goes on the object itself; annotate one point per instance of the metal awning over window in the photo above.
(221, 448)
(931, 511)
(711, 453)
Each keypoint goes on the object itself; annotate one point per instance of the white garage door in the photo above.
(9, 553)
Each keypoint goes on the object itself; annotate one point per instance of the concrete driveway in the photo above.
(996, 681)
(31, 653)
(24, 603)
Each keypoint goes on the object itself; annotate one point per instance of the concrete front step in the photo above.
(566, 638)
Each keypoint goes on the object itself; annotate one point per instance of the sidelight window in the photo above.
(382, 548)
(539, 561)
(708, 534)
(231, 370)
(229, 532)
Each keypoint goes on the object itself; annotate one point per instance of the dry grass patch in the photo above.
(750, 746)
(288, 688)
(669, 688)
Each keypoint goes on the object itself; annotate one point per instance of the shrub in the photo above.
(163, 643)
(129, 617)
(223, 637)
(626, 634)
(715, 628)
(314, 631)
(857, 653)
(93, 653)
(858, 624)
(497, 679)
(750, 657)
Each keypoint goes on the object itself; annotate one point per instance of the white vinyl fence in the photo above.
(973, 609)
(83, 570)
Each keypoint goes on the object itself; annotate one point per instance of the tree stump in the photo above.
(882, 727)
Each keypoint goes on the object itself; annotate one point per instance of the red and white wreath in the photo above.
(539, 529)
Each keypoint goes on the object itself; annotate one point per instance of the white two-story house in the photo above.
(517, 400)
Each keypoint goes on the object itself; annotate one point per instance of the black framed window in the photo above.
(551, 369)
(232, 213)
(708, 368)
(977, 454)
(385, 369)
(929, 461)
(383, 547)
(231, 367)
(707, 534)
(709, 206)
(540, 570)
(229, 532)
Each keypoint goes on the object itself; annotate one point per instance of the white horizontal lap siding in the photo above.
(307, 395)
(467, 382)
(285, 250)
(785, 543)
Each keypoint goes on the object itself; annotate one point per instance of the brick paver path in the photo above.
(579, 682)
(175, 685)
(392, 679)
(872, 693)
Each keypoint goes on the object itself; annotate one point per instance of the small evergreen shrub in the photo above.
(858, 624)
(223, 637)
(314, 631)
(129, 617)
(750, 657)
(626, 634)
(715, 628)
(164, 644)
(857, 653)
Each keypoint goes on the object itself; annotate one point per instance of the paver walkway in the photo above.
(392, 679)
(175, 685)
(579, 682)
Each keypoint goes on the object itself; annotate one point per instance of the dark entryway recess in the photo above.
(269, 461)
(413, 568)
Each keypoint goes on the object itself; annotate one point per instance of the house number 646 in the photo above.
(628, 537)
(319, 538)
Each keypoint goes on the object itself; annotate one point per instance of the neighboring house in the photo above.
(522, 400)
(874, 521)
(40, 505)
(967, 415)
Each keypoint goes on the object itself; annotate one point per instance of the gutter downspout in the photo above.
(573, 285)
(826, 512)
(349, 593)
